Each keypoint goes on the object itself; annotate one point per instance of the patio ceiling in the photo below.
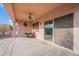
(21, 11)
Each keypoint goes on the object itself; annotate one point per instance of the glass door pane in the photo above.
(63, 31)
(48, 30)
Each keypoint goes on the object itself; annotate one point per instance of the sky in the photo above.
(4, 16)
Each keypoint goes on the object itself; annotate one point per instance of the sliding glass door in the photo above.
(60, 31)
(48, 30)
(63, 31)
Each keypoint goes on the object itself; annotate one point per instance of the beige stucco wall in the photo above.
(40, 32)
(23, 29)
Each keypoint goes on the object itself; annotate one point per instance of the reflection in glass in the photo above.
(48, 30)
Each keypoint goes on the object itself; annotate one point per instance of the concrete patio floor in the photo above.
(30, 47)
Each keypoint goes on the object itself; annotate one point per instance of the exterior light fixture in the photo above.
(25, 24)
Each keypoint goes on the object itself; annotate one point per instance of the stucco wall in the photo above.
(40, 32)
(23, 29)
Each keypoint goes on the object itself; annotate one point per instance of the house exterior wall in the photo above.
(21, 29)
(60, 11)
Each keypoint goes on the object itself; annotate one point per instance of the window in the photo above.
(36, 26)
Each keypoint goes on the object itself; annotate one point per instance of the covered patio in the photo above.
(55, 27)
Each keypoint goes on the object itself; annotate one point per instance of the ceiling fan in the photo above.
(31, 15)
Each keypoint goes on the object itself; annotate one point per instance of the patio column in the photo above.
(14, 29)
